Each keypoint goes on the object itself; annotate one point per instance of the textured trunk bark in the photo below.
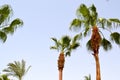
(98, 76)
(61, 61)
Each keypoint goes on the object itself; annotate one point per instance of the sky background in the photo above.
(44, 19)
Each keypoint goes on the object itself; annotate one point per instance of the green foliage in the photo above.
(115, 37)
(106, 44)
(17, 69)
(88, 77)
(5, 12)
(87, 18)
(3, 36)
(66, 44)
(7, 27)
(88, 45)
(4, 77)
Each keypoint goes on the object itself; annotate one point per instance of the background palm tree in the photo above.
(65, 45)
(88, 77)
(4, 77)
(88, 22)
(7, 27)
(17, 69)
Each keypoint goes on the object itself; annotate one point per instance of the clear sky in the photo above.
(44, 19)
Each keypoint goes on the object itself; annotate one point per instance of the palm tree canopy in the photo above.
(66, 44)
(7, 27)
(4, 77)
(17, 69)
(88, 77)
(87, 18)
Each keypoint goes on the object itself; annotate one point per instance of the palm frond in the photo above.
(13, 26)
(65, 40)
(87, 77)
(5, 13)
(86, 30)
(76, 38)
(75, 45)
(3, 36)
(106, 44)
(88, 45)
(56, 46)
(83, 11)
(76, 23)
(16, 69)
(68, 53)
(115, 37)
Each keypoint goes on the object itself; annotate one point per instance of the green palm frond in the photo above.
(13, 26)
(88, 77)
(86, 30)
(5, 13)
(3, 36)
(106, 44)
(83, 11)
(56, 46)
(76, 38)
(115, 37)
(88, 45)
(75, 24)
(68, 53)
(16, 69)
(114, 20)
(4, 77)
(65, 41)
(75, 45)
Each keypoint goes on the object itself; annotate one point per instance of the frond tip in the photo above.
(115, 37)
(106, 44)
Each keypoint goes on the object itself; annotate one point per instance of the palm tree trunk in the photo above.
(61, 61)
(60, 75)
(98, 76)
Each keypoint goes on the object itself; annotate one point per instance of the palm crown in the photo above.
(66, 44)
(17, 69)
(7, 27)
(88, 18)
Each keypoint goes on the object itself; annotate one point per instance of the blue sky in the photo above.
(44, 19)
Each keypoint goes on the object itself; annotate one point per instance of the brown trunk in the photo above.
(98, 76)
(60, 74)
(61, 61)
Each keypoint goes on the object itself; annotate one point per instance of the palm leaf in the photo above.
(83, 11)
(68, 53)
(106, 44)
(5, 12)
(56, 44)
(88, 45)
(3, 36)
(13, 26)
(76, 23)
(65, 40)
(115, 37)
(75, 45)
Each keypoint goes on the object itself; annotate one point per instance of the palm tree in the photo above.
(88, 77)
(87, 21)
(4, 77)
(7, 27)
(17, 69)
(65, 45)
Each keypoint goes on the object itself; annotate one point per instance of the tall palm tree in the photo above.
(88, 21)
(65, 45)
(17, 69)
(7, 27)
(4, 77)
